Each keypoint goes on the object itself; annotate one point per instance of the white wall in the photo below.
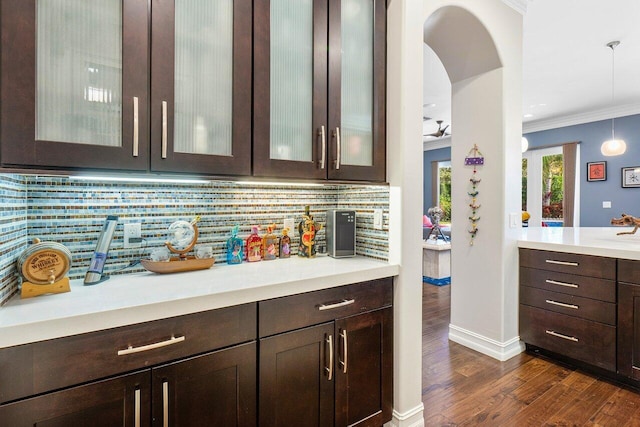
(489, 315)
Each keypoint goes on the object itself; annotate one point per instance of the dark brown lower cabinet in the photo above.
(120, 401)
(364, 383)
(337, 373)
(629, 330)
(214, 389)
(296, 383)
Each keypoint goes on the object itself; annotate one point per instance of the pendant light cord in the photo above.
(613, 46)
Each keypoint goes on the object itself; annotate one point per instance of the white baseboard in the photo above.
(411, 418)
(498, 350)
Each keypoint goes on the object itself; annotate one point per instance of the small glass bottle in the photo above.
(285, 244)
(254, 245)
(235, 247)
(270, 244)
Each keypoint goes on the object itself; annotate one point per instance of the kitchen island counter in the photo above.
(597, 241)
(140, 297)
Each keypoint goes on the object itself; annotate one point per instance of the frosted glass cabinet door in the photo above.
(290, 105)
(74, 83)
(357, 89)
(201, 86)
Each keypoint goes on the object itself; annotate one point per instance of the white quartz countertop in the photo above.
(141, 297)
(598, 241)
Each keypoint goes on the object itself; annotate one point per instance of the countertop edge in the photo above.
(67, 325)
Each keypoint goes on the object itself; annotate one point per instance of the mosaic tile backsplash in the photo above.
(73, 212)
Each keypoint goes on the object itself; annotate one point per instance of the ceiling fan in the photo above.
(440, 132)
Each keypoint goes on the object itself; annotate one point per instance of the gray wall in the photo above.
(438, 155)
(592, 194)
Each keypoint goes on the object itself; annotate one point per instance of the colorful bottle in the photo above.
(307, 229)
(254, 245)
(285, 244)
(235, 247)
(270, 243)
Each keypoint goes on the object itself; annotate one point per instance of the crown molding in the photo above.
(581, 118)
(429, 144)
(519, 6)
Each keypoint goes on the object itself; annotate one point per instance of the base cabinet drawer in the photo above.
(575, 264)
(582, 286)
(571, 305)
(580, 339)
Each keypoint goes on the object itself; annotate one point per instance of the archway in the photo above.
(486, 106)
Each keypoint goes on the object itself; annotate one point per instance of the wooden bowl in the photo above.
(177, 265)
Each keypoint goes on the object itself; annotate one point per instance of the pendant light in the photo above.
(524, 144)
(613, 146)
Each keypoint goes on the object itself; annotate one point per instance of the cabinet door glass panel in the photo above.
(79, 71)
(357, 82)
(203, 77)
(291, 80)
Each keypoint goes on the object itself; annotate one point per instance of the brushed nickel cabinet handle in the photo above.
(136, 406)
(329, 369)
(552, 261)
(164, 129)
(136, 127)
(170, 341)
(564, 337)
(338, 151)
(345, 351)
(568, 285)
(561, 304)
(165, 404)
(323, 151)
(342, 303)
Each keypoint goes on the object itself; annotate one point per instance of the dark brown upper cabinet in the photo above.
(74, 84)
(319, 89)
(76, 77)
(201, 86)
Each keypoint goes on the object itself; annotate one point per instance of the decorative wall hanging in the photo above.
(474, 158)
(596, 171)
(631, 177)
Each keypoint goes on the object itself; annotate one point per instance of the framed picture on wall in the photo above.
(597, 171)
(631, 177)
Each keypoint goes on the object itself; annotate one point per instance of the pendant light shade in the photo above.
(525, 144)
(613, 146)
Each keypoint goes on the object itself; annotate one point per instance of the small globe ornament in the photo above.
(180, 235)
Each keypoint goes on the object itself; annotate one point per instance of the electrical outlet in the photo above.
(377, 219)
(288, 223)
(132, 235)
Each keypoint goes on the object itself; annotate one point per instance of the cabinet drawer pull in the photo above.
(552, 261)
(564, 337)
(136, 127)
(568, 285)
(323, 152)
(131, 349)
(136, 406)
(329, 369)
(165, 404)
(342, 303)
(337, 134)
(164, 129)
(561, 304)
(345, 351)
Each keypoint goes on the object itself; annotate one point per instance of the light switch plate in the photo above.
(606, 205)
(513, 219)
(132, 234)
(288, 223)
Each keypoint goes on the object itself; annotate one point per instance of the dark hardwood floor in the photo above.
(461, 387)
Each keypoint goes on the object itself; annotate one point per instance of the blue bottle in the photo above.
(235, 247)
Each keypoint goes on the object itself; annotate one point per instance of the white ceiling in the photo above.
(567, 68)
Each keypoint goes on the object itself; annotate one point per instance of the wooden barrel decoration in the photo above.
(44, 263)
